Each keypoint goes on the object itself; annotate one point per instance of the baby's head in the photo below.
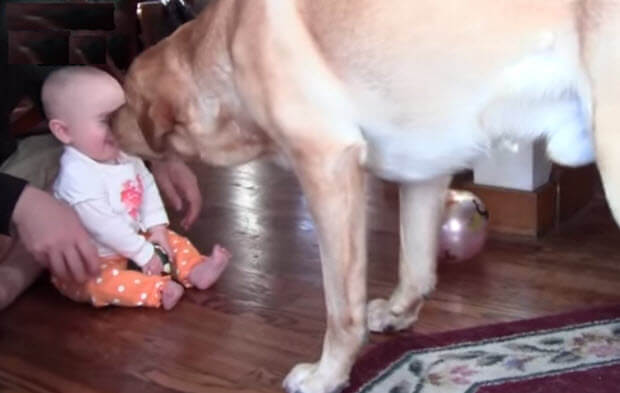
(78, 102)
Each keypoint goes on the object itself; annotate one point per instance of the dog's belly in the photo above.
(414, 154)
(430, 100)
(414, 137)
(405, 156)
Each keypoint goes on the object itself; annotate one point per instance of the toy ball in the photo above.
(463, 230)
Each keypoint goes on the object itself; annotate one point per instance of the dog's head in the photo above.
(158, 117)
(181, 101)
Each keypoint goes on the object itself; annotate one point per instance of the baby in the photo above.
(117, 200)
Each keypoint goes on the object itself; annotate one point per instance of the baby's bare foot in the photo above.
(206, 273)
(171, 294)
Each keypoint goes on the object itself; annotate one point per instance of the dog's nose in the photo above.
(122, 125)
(115, 121)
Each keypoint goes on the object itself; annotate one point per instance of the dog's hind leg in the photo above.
(421, 209)
(607, 138)
(602, 47)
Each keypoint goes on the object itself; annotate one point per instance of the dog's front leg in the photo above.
(421, 208)
(333, 182)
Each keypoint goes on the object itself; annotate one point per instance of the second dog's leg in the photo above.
(421, 209)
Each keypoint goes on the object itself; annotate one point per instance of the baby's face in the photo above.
(88, 118)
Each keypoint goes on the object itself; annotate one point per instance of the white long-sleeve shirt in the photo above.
(114, 201)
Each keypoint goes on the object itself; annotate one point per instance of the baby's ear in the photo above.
(60, 130)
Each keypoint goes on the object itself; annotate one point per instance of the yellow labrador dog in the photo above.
(410, 91)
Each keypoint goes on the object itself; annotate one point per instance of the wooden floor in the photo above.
(267, 312)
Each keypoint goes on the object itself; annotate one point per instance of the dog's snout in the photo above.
(125, 128)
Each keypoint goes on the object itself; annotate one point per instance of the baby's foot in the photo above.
(171, 294)
(206, 273)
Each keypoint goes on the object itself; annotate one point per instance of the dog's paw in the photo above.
(383, 319)
(305, 378)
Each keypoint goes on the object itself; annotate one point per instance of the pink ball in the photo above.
(464, 227)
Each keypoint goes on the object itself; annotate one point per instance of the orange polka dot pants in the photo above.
(116, 285)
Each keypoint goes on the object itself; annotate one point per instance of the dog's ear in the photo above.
(156, 120)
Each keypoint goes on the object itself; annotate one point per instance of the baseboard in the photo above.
(535, 213)
(530, 213)
(525, 213)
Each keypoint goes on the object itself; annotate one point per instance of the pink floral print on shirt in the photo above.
(131, 195)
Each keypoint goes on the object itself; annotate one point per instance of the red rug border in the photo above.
(383, 354)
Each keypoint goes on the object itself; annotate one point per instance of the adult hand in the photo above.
(180, 187)
(52, 232)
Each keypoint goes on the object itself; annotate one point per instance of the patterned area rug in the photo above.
(577, 352)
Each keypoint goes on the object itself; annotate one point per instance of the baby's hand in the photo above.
(159, 235)
(154, 267)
